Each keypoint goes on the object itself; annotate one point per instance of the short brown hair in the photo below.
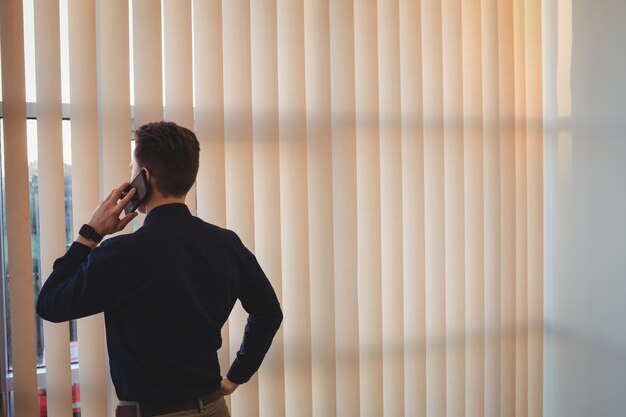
(172, 155)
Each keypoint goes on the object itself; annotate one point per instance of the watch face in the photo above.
(86, 231)
(89, 232)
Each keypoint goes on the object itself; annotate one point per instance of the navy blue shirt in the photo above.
(166, 290)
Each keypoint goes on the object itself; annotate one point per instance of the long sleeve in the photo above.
(264, 318)
(83, 282)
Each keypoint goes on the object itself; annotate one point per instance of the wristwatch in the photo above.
(90, 233)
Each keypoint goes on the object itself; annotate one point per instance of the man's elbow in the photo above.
(277, 317)
(45, 313)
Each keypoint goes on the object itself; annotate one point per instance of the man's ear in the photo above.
(148, 174)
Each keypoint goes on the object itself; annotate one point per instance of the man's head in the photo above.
(171, 155)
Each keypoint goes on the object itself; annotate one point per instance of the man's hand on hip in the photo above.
(228, 386)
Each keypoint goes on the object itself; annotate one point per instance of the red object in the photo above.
(43, 401)
(76, 400)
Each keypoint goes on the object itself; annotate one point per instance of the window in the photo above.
(33, 174)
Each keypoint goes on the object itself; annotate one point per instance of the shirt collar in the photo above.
(167, 211)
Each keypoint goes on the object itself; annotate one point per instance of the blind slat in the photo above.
(147, 64)
(391, 207)
(344, 205)
(238, 164)
(266, 173)
(478, 399)
(434, 208)
(534, 112)
(320, 201)
(368, 208)
(209, 125)
(85, 187)
(113, 106)
(209, 109)
(506, 84)
(17, 209)
(147, 68)
(454, 206)
(411, 96)
(294, 207)
(51, 193)
(521, 232)
(178, 71)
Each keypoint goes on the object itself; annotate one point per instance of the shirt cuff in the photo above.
(77, 253)
(236, 374)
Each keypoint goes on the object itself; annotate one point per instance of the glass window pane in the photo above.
(33, 178)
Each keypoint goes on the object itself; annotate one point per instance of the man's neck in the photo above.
(157, 200)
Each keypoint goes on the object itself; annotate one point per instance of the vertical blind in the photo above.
(51, 186)
(383, 159)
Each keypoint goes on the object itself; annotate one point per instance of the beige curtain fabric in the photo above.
(383, 159)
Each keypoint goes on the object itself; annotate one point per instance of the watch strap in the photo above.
(90, 233)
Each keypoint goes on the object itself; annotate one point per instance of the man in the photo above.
(165, 290)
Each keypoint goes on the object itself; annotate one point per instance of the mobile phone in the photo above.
(139, 183)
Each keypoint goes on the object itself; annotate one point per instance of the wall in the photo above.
(585, 211)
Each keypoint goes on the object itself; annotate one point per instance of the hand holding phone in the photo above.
(139, 183)
(105, 219)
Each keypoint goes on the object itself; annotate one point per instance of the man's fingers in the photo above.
(117, 193)
(127, 198)
(127, 219)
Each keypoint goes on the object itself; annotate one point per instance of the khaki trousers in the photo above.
(217, 408)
